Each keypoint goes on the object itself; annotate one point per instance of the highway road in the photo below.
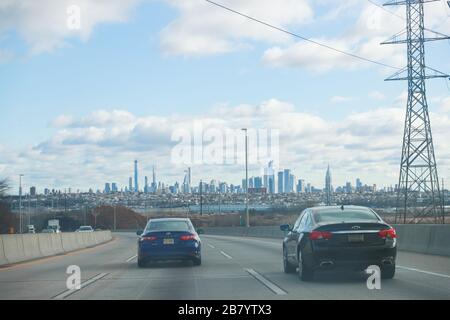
(233, 268)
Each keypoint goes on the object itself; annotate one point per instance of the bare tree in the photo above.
(4, 186)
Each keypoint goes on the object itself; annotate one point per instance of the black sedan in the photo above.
(339, 237)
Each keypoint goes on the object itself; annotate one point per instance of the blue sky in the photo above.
(149, 58)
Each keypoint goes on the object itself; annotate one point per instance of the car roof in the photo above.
(326, 209)
(171, 219)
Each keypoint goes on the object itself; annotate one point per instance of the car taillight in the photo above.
(188, 237)
(387, 233)
(149, 238)
(317, 235)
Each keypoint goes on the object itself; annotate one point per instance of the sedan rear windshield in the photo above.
(168, 226)
(340, 216)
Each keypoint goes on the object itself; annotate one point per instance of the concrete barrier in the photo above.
(31, 246)
(45, 244)
(3, 259)
(56, 241)
(23, 247)
(69, 242)
(13, 246)
(420, 238)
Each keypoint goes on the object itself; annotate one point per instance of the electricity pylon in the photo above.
(418, 195)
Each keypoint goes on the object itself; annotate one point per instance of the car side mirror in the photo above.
(285, 227)
(200, 231)
(139, 232)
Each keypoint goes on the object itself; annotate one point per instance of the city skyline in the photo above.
(257, 183)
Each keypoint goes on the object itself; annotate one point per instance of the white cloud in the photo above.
(43, 23)
(374, 25)
(88, 151)
(203, 29)
(376, 95)
(341, 99)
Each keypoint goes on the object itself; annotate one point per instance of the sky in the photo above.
(78, 105)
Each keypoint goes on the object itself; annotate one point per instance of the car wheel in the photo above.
(288, 268)
(387, 272)
(304, 272)
(141, 263)
(197, 261)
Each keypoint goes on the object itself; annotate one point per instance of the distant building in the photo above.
(358, 184)
(114, 187)
(287, 181)
(33, 191)
(280, 182)
(258, 183)
(269, 178)
(328, 188)
(130, 184)
(348, 187)
(107, 188)
(136, 184)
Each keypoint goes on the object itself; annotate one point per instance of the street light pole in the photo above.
(114, 217)
(20, 202)
(246, 179)
(201, 197)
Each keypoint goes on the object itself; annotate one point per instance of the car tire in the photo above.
(141, 263)
(387, 272)
(197, 261)
(288, 268)
(304, 272)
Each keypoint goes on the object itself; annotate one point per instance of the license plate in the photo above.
(355, 238)
(168, 241)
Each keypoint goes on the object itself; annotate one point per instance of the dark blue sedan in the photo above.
(169, 239)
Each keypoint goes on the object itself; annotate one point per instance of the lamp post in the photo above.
(20, 202)
(247, 220)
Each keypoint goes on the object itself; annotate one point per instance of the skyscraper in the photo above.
(107, 188)
(154, 185)
(269, 178)
(146, 184)
(358, 184)
(280, 182)
(287, 180)
(130, 184)
(136, 185)
(187, 181)
(328, 188)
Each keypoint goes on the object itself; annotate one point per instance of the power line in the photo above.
(302, 37)
(387, 10)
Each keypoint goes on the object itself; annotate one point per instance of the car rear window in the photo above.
(168, 226)
(339, 216)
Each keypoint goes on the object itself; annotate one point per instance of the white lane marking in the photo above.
(131, 258)
(270, 285)
(67, 293)
(426, 272)
(226, 255)
(211, 246)
(273, 243)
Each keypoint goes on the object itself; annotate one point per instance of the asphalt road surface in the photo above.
(233, 268)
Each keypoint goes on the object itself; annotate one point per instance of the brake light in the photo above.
(188, 237)
(387, 233)
(149, 238)
(317, 235)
